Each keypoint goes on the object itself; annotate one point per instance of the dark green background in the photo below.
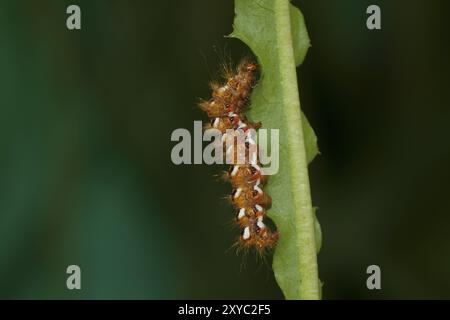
(85, 170)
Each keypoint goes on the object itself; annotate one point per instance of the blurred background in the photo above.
(85, 170)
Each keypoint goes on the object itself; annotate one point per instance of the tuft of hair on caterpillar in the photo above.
(226, 111)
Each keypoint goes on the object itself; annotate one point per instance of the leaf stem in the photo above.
(309, 287)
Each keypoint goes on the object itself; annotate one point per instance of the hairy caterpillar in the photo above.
(226, 110)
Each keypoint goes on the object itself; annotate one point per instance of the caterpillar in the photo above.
(226, 111)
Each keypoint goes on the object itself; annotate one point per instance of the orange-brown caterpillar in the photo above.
(226, 112)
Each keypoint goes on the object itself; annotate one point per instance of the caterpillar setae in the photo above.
(226, 110)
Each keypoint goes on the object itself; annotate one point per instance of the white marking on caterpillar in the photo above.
(238, 193)
(260, 223)
(241, 125)
(246, 234)
(251, 141)
(249, 137)
(259, 208)
(257, 188)
(241, 213)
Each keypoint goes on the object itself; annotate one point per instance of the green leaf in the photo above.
(300, 36)
(275, 32)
